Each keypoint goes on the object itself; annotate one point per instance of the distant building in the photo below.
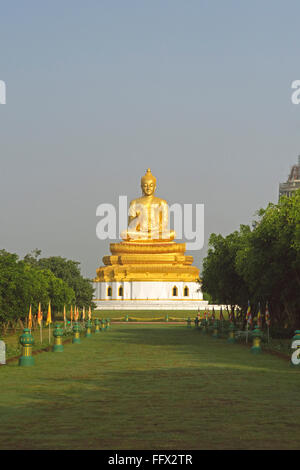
(293, 182)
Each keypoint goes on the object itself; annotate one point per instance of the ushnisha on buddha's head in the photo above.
(148, 183)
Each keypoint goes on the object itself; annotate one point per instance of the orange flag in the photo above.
(90, 313)
(75, 313)
(40, 315)
(83, 313)
(30, 319)
(71, 313)
(49, 319)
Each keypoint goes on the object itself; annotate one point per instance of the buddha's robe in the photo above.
(148, 219)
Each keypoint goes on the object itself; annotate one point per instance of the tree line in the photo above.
(28, 281)
(259, 263)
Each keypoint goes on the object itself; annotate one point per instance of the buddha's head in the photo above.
(148, 183)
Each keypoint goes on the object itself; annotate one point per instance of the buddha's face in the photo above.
(148, 187)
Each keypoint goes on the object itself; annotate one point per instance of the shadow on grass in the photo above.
(191, 342)
(178, 408)
(147, 387)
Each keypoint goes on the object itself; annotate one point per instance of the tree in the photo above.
(69, 272)
(22, 284)
(269, 260)
(59, 292)
(262, 264)
(220, 278)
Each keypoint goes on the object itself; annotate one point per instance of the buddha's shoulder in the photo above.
(158, 200)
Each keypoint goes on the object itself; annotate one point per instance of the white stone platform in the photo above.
(147, 295)
(151, 304)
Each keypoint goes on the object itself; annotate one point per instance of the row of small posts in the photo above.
(216, 327)
(27, 340)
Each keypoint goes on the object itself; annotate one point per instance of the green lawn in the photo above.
(150, 387)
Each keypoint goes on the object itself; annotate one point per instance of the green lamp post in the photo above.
(256, 335)
(76, 333)
(167, 318)
(27, 341)
(58, 334)
(103, 325)
(88, 327)
(107, 323)
(231, 336)
(97, 326)
(126, 318)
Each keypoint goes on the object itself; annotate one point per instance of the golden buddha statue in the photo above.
(148, 251)
(148, 215)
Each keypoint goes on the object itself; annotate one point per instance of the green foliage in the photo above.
(208, 297)
(220, 278)
(22, 284)
(277, 332)
(69, 272)
(261, 264)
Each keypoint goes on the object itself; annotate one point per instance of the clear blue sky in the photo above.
(98, 91)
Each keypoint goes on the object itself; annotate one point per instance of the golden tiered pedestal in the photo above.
(143, 260)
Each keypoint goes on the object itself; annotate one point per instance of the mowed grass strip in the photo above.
(151, 315)
(150, 387)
